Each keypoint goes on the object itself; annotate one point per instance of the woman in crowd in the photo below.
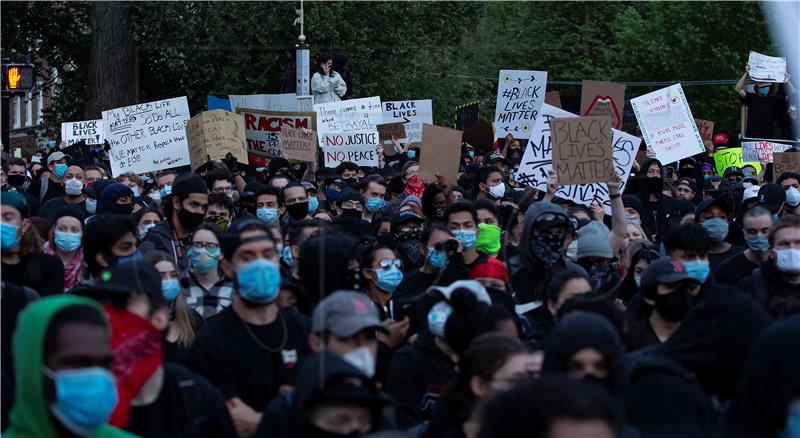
(65, 243)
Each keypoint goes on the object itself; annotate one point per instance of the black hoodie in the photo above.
(770, 290)
(659, 216)
(324, 263)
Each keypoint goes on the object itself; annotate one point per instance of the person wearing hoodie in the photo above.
(183, 212)
(329, 263)
(62, 360)
(658, 212)
(116, 198)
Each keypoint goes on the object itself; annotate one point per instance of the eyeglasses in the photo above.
(388, 263)
(206, 245)
(223, 189)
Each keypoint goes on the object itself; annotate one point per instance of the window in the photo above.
(17, 112)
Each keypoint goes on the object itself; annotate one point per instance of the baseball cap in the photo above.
(131, 279)
(771, 196)
(686, 181)
(309, 186)
(491, 268)
(55, 156)
(733, 170)
(708, 203)
(720, 139)
(663, 271)
(345, 313)
(750, 193)
(405, 216)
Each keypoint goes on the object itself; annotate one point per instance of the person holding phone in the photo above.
(326, 84)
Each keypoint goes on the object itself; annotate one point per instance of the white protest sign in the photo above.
(761, 151)
(765, 68)
(362, 155)
(148, 136)
(537, 159)
(520, 96)
(270, 102)
(90, 131)
(412, 113)
(353, 115)
(667, 124)
(262, 128)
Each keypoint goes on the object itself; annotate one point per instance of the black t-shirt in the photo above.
(714, 260)
(179, 405)
(734, 269)
(54, 190)
(234, 356)
(762, 113)
(51, 207)
(40, 272)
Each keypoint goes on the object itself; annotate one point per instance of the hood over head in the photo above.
(534, 211)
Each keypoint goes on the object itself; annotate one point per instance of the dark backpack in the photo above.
(192, 400)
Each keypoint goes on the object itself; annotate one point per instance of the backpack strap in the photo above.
(193, 405)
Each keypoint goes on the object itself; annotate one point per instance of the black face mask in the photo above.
(297, 211)
(16, 180)
(546, 248)
(190, 220)
(604, 383)
(350, 212)
(124, 209)
(654, 184)
(674, 305)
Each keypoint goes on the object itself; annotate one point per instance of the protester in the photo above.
(65, 242)
(756, 224)
(73, 194)
(326, 84)
(713, 214)
(208, 291)
(51, 185)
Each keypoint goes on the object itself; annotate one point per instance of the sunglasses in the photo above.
(389, 263)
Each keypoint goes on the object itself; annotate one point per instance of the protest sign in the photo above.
(761, 151)
(262, 128)
(213, 134)
(214, 102)
(603, 99)
(480, 136)
(467, 114)
(667, 124)
(765, 68)
(267, 102)
(353, 115)
(79, 153)
(90, 131)
(537, 158)
(352, 139)
(148, 136)
(298, 144)
(706, 129)
(785, 162)
(413, 113)
(388, 130)
(553, 98)
(362, 155)
(582, 149)
(440, 153)
(520, 95)
(731, 157)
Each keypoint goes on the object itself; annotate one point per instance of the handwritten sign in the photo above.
(761, 151)
(765, 68)
(785, 162)
(603, 99)
(706, 129)
(413, 113)
(667, 124)
(148, 136)
(388, 130)
(582, 149)
(440, 153)
(90, 131)
(537, 158)
(262, 128)
(362, 155)
(267, 102)
(520, 95)
(353, 115)
(298, 144)
(731, 157)
(352, 139)
(214, 134)
(466, 114)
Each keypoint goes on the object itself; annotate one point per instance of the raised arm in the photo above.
(552, 186)
(739, 87)
(618, 225)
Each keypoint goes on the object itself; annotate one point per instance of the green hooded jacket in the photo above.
(30, 415)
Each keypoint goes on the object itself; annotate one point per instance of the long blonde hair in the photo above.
(180, 310)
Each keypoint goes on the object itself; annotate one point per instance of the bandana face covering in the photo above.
(546, 248)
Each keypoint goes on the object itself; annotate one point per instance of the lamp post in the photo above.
(302, 58)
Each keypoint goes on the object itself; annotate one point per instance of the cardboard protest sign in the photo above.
(785, 162)
(765, 68)
(262, 128)
(761, 151)
(520, 96)
(214, 102)
(89, 131)
(298, 144)
(706, 129)
(731, 157)
(667, 124)
(362, 155)
(553, 98)
(267, 102)
(413, 113)
(388, 130)
(537, 158)
(603, 99)
(467, 114)
(440, 153)
(582, 149)
(148, 136)
(213, 134)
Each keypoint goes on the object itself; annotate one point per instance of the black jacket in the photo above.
(160, 237)
(770, 290)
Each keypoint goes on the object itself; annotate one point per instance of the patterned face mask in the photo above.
(546, 248)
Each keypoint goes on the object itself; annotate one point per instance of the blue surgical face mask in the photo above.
(60, 170)
(286, 256)
(411, 154)
(375, 205)
(763, 91)
(9, 236)
(471, 154)
(259, 281)
(466, 237)
(170, 287)
(437, 317)
(792, 429)
(268, 215)
(717, 229)
(165, 191)
(697, 269)
(313, 204)
(67, 242)
(389, 279)
(135, 257)
(437, 259)
(85, 398)
(143, 229)
(638, 280)
(204, 260)
(759, 244)
(91, 205)
(792, 197)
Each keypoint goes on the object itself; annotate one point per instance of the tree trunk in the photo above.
(112, 59)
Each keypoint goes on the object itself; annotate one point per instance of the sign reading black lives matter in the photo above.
(582, 149)
(90, 131)
(520, 95)
(148, 136)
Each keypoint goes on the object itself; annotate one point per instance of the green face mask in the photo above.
(488, 241)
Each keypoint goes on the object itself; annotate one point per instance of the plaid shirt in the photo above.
(209, 302)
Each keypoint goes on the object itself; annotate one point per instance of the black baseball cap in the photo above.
(133, 278)
(663, 271)
(771, 196)
(733, 170)
(405, 216)
(686, 181)
(708, 203)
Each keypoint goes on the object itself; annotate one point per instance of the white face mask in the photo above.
(787, 260)
(792, 197)
(73, 187)
(572, 250)
(136, 191)
(361, 358)
(498, 191)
